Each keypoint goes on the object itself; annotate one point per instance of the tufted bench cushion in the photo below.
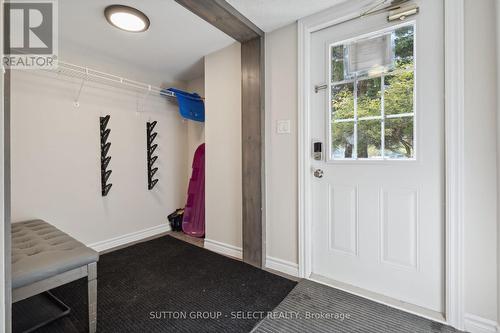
(40, 251)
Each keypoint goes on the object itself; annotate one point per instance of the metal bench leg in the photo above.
(92, 285)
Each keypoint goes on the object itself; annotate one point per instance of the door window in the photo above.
(372, 94)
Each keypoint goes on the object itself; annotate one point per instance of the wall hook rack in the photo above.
(105, 146)
(104, 121)
(151, 147)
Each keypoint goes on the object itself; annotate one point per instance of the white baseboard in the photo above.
(223, 248)
(282, 266)
(129, 238)
(476, 324)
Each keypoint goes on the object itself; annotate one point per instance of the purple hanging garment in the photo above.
(193, 223)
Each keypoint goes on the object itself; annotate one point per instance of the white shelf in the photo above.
(92, 75)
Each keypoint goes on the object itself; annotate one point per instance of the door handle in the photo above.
(318, 173)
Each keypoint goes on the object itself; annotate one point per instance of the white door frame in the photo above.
(454, 147)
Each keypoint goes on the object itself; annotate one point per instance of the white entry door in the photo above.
(378, 188)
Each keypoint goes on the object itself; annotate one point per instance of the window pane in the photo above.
(399, 138)
(382, 68)
(369, 98)
(342, 139)
(399, 93)
(338, 63)
(343, 101)
(369, 138)
(403, 39)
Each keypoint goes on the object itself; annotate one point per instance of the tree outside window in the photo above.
(372, 116)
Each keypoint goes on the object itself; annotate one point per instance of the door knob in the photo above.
(318, 173)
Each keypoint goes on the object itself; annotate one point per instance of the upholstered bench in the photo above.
(43, 258)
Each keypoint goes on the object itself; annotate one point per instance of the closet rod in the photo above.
(93, 75)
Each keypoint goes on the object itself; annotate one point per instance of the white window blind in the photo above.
(370, 56)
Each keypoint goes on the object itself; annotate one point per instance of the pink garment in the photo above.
(193, 223)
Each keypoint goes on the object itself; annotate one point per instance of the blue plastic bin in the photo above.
(191, 106)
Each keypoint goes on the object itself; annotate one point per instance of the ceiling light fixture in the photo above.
(126, 18)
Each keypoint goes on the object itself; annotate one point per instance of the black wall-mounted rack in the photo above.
(105, 159)
(151, 147)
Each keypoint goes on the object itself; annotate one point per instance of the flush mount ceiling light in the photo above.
(126, 18)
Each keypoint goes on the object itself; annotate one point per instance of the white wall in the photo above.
(3, 223)
(56, 157)
(281, 149)
(5, 285)
(72, 52)
(480, 162)
(482, 260)
(498, 153)
(223, 148)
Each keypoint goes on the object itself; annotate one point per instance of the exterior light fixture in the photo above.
(126, 18)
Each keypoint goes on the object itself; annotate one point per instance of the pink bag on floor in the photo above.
(193, 223)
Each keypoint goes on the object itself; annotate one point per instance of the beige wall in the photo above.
(281, 149)
(56, 157)
(223, 148)
(480, 159)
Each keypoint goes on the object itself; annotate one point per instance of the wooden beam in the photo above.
(252, 64)
(225, 17)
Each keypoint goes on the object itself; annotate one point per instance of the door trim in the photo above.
(454, 137)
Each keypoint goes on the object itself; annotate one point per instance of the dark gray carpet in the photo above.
(312, 307)
(150, 287)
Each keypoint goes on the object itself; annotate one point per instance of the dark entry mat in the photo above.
(322, 309)
(37, 311)
(167, 285)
